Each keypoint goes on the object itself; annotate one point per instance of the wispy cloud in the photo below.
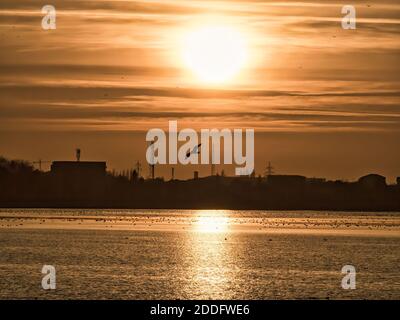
(114, 64)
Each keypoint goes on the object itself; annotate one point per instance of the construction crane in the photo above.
(269, 170)
(138, 168)
(152, 165)
(212, 169)
(212, 161)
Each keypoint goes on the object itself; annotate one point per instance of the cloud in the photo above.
(114, 64)
(138, 108)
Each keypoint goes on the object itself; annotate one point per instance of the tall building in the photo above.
(75, 181)
(81, 169)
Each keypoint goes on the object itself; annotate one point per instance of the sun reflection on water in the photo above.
(209, 257)
(214, 221)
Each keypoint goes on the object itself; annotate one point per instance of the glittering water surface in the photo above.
(147, 254)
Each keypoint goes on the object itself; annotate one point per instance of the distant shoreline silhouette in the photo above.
(76, 184)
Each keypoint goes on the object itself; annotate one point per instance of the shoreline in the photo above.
(214, 221)
(333, 210)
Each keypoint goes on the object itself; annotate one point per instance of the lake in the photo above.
(198, 254)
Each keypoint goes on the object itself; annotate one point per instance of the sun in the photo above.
(212, 224)
(215, 54)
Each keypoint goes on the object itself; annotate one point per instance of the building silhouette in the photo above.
(83, 181)
(80, 184)
(373, 181)
(286, 180)
(81, 169)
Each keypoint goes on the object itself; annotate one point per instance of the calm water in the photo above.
(129, 254)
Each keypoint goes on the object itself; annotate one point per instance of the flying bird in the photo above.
(196, 150)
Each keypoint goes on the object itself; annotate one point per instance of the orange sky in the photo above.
(323, 100)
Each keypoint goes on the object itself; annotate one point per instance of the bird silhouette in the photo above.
(196, 150)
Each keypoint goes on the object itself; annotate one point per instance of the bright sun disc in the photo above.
(214, 54)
